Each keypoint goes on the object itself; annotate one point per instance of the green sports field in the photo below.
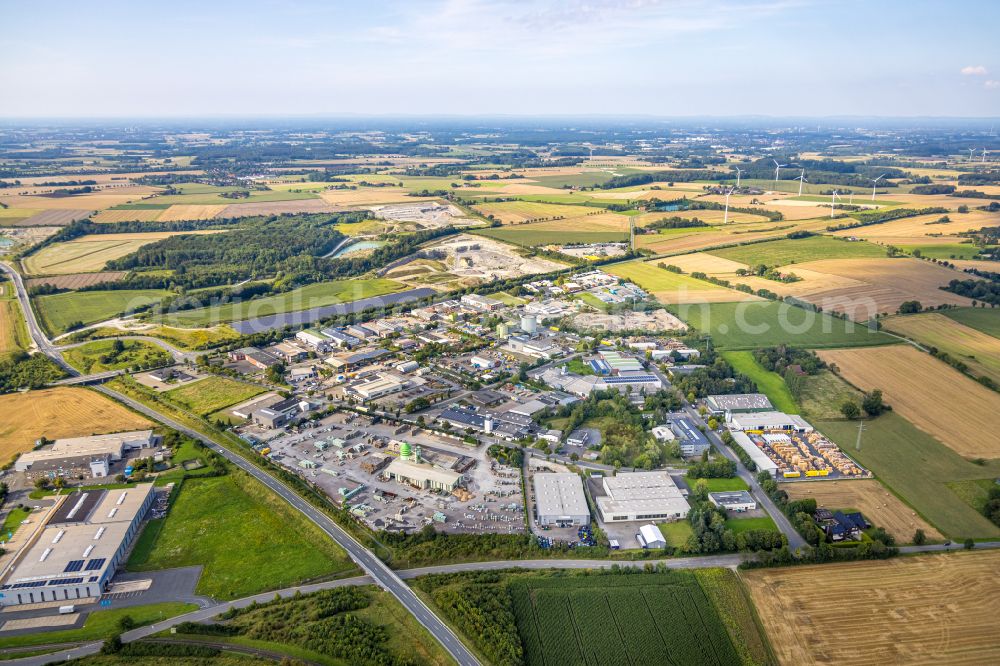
(303, 298)
(754, 324)
(918, 468)
(769, 383)
(247, 538)
(787, 251)
(57, 311)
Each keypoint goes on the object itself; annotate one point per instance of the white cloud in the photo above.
(974, 70)
(992, 84)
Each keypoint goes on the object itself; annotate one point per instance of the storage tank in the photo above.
(529, 324)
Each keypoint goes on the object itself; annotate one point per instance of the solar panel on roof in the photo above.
(65, 581)
(96, 564)
(74, 565)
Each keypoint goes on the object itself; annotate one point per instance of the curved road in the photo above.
(37, 335)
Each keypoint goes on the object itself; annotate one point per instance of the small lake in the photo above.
(360, 246)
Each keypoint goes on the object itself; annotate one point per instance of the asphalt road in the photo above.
(365, 559)
(39, 337)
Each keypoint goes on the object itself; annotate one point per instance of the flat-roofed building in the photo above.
(759, 458)
(559, 499)
(765, 421)
(738, 403)
(641, 496)
(74, 453)
(381, 385)
(733, 500)
(423, 475)
(75, 552)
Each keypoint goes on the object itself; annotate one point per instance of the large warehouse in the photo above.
(76, 453)
(423, 475)
(768, 421)
(74, 552)
(559, 499)
(641, 496)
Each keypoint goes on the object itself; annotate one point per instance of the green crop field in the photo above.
(213, 196)
(619, 619)
(944, 250)
(303, 298)
(654, 279)
(787, 251)
(719, 485)
(527, 237)
(824, 393)
(986, 320)
(918, 469)
(212, 394)
(99, 356)
(753, 324)
(518, 211)
(769, 383)
(58, 311)
(737, 524)
(248, 539)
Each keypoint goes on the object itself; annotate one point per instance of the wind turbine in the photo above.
(801, 178)
(777, 171)
(725, 217)
(971, 150)
(875, 185)
(851, 199)
(739, 172)
(984, 156)
(833, 198)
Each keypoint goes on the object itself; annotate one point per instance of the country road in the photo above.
(38, 336)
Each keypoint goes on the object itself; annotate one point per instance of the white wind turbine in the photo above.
(801, 178)
(777, 171)
(875, 185)
(984, 156)
(725, 217)
(971, 151)
(833, 197)
(739, 172)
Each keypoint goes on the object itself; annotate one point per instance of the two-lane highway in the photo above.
(369, 563)
(37, 335)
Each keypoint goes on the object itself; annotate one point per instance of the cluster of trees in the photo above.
(825, 172)
(768, 273)
(718, 467)
(717, 377)
(485, 612)
(978, 290)
(21, 371)
(676, 223)
(872, 405)
(992, 507)
(933, 189)
(991, 177)
(676, 176)
(709, 533)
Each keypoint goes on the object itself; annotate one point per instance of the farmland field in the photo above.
(510, 212)
(98, 356)
(212, 394)
(247, 538)
(76, 281)
(944, 250)
(917, 468)
(929, 609)
(824, 393)
(126, 214)
(787, 251)
(636, 619)
(929, 393)
(13, 331)
(59, 412)
(978, 350)
(878, 505)
(190, 212)
(310, 296)
(672, 288)
(58, 311)
(986, 320)
(90, 253)
(528, 236)
(769, 383)
(50, 218)
(736, 326)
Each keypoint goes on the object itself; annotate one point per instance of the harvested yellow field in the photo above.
(926, 200)
(921, 226)
(586, 223)
(681, 243)
(142, 215)
(978, 350)
(190, 212)
(96, 201)
(877, 286)
(515, 188)
(934, 609)
(90, 253)
(60, 412)
(929, 393)
(519, 212)
(879, 506)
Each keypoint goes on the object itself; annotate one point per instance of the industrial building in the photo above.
(738, 403)
(559, 500)
(412, 471)
(381, 385)
(80, 453)
(641, 496)
(692, 441)
(768, 421)
(736, 500)
(479, 302)
(759, 458)
(73, 554)
(536, 348)
(620, 363)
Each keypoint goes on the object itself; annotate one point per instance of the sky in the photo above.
(667, 58)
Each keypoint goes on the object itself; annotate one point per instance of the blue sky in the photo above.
(476, 57)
